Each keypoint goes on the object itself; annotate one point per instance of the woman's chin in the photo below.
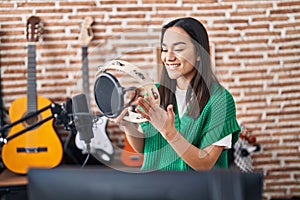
(174, 74)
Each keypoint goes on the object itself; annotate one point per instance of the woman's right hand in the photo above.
(128, 127)
(120, 119)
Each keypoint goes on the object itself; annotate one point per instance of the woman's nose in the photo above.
(170, 56)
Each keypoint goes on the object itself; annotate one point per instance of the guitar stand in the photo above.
(55, 110)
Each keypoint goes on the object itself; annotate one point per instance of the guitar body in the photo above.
(101, 147)
(129, 157)
(39, 147)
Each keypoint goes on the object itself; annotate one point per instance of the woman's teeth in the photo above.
(173, 66)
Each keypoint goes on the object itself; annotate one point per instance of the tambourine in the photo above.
(109, 94)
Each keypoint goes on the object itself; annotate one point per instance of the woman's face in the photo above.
(178, 55)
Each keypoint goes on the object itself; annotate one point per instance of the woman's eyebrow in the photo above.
(174, 44)
(178, 43)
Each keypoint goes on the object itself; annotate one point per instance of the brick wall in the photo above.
(256, 49)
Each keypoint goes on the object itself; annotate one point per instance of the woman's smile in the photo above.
(173, 66)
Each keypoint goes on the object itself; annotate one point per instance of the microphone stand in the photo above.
(55, 110)
(65, 118)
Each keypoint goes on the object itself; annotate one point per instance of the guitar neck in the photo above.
(85, 73)
(31, 79)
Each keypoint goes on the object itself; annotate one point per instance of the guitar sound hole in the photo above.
(32, 120)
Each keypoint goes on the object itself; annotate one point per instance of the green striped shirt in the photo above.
(217, 120)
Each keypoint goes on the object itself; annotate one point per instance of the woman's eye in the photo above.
(178, 50)
(164, 50)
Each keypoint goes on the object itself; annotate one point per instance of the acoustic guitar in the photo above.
(41, 146)
(101, 147)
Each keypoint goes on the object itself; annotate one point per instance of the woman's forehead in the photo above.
(175, 35)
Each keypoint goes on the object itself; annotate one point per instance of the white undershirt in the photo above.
(181, 105)
(180, 98)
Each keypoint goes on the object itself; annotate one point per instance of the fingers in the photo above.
(123, 113)
(170, 112)
(150, 100)
(119, 119)
(144, 115)
(144, 104)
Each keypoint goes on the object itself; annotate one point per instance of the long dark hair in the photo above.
(201, 85)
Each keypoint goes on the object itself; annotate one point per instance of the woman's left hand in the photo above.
(162, 120)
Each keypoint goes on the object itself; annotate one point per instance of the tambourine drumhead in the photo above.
(108, 95)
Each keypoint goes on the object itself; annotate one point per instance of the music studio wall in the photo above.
(255, 50)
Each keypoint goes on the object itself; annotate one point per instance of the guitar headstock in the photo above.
(86, 34)
(33, 29)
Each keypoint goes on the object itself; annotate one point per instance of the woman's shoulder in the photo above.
(219, 92)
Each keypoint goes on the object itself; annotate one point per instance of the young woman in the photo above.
(196, 122)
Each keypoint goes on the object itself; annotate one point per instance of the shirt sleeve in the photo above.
(220, 120)
(224, 142)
